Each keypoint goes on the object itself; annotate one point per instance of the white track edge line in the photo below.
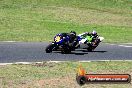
(60, 61)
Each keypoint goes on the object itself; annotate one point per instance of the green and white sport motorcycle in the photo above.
(89, 42)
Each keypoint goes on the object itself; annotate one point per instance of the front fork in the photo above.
(55, 46)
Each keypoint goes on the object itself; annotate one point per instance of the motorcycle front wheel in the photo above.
(49, 48)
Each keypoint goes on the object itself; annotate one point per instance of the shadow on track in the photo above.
(100, 51)
(73, 52)
(84, 50)
(79, 52)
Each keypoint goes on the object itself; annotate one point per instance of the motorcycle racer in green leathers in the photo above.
(92, 40)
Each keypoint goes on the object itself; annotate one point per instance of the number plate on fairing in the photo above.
(57, 38)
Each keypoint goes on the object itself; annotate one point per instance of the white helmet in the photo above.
(94, 32)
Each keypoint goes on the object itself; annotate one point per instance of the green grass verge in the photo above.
(40, 20)
(60, 75)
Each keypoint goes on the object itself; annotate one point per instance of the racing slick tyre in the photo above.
(49, 48)
(89, 49)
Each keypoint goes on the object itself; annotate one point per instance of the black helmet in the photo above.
(73, 32)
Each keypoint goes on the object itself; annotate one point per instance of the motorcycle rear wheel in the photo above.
(90, 49)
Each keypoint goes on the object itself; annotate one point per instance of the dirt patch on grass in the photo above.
(67, 82)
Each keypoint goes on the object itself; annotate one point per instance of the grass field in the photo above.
(59, 75)
(40, 20)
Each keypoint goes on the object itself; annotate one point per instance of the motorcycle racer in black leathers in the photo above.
(72, 39)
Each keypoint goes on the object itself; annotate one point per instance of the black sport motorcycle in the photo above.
(60, 43)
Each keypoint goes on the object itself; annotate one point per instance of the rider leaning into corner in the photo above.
(93, 34)
(90, 36)
(72, 38)
(73, 42)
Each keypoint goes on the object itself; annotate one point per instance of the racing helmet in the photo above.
(73, 32)
(94, 32)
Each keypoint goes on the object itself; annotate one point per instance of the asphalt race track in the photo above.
(11, 52)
